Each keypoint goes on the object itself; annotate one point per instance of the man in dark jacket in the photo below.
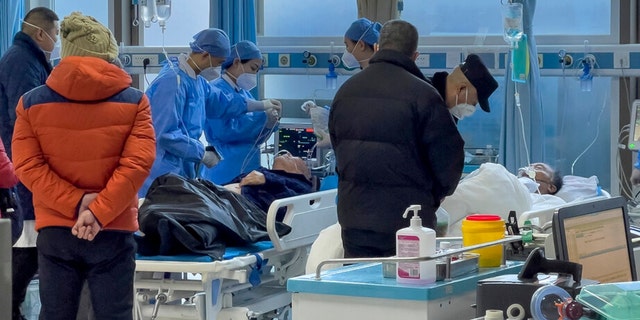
(467, 85)
(396, 145)
(24, 66)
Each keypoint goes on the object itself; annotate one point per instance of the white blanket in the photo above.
(491, 189)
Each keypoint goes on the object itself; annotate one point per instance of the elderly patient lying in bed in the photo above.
(492, 189)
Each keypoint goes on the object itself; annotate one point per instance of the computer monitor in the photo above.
(634, 127)
(297, 137)
(596, 235)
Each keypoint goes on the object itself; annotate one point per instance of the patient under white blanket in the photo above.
(490, 189)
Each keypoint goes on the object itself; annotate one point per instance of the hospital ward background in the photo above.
(567, 96)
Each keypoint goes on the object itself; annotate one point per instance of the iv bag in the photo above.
(512, 22)
(147, 12)
(163, 8)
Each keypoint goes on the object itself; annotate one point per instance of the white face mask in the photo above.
(211, 73)
(463, 110)
(54, 54)
(349, 60)
(531, 185)
(247, 81)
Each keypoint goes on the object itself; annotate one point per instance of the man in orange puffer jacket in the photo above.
(84, 144)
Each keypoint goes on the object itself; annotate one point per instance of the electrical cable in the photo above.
(623, 182)
(255, 144)
(597, 123)
(524, 140)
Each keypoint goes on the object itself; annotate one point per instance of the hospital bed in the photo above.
(250, 283)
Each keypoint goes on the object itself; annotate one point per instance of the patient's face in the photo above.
(543, 176)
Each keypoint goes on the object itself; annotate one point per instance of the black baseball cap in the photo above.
(480, 78)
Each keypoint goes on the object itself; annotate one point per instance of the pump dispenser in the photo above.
(415, 241)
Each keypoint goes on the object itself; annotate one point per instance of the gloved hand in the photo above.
(211, 157)
(272, 104)
(272, 117)
(308, 105)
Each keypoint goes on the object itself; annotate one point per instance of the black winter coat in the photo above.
(396, 144)
(23, 67)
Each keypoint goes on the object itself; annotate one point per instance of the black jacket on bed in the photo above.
(190, 216)
(396, 144)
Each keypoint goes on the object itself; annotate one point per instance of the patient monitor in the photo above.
(634, 127)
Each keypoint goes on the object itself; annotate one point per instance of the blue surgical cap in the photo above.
(245, 50)
(212, 40)
(364, 26)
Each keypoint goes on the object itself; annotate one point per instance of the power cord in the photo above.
(145, 63)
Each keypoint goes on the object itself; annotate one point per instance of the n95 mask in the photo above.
(247, 81)
(211, 73)
(462, 110)
(349, 60)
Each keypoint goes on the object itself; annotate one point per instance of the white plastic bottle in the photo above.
(415, 241)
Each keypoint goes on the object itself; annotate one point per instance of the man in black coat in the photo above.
(24, 66)
(468, 84)
(396, 145)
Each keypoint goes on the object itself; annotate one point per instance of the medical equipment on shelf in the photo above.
(524, 299)
(588, 63)
(634, 127)
(243, 286)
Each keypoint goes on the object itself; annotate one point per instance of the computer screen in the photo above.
(596, 235)
(299, 141)
(634, 126)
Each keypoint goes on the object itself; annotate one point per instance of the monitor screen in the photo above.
(596, 235)
(299, 141)
(634, 126)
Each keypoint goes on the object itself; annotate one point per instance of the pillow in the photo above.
(578, 188)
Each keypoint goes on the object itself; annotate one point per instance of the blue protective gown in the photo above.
(238, 139)
(178, 99)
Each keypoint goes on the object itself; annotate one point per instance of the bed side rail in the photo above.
(307, 215)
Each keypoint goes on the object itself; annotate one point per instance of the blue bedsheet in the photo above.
(230, 253)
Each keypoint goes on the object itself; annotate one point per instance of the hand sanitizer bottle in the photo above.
(415, 241)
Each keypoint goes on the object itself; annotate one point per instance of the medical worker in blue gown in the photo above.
(238, 139)
(359, 40)
(178, 97)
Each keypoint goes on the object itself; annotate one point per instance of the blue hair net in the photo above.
(364, 26)
(245, 50)
(212, 40)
